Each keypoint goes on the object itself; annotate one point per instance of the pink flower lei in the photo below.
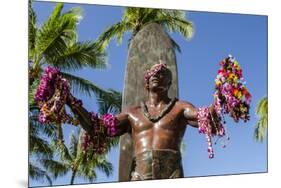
(53, 93)
(154, 70)
(103, 128)
(51, 96)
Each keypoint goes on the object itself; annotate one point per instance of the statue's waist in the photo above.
(158, 163)
(159, 154)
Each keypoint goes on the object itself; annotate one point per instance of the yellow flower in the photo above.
(218, 82)
(236, 65)
(239, 95)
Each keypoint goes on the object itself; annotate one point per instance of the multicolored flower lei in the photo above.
(231, 97)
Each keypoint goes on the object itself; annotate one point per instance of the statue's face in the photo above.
(159, 81)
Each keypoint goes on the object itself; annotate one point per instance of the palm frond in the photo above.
(39, 147)
(117, 30)
(261, 126)
(55, 13)
(87, 172)
(32, 91)
(110, 102)
(56, 168)
(79, 84)
(54, 36)
(114, 141)
(73, 147)
(32, 29)
(37, 173)
(62, 150)
(262, 107)
(105, 167)
(36, 129)
(134, 19)
(49, 130)
(175, 24)
(79, 55)
(148, 14)
(185, 28)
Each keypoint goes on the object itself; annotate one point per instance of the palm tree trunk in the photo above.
(73, 177)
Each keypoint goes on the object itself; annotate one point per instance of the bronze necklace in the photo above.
(160, 115)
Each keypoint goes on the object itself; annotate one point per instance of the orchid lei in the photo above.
(51, 96)
(154, 70)
(103, 128)
(53, 93)
(231, 97)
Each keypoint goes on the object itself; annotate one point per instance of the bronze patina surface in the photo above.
(146, 48)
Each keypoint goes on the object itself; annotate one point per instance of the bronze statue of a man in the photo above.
(157, 127)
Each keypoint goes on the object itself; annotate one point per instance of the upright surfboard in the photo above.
(150, 45)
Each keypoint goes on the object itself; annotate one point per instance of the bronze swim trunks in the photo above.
(157, 164)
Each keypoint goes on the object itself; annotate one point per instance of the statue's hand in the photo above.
(214, 119)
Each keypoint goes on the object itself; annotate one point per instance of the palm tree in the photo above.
(134, 19)
(56, 43)
(73, 159)
(39, 148)
(261, 126)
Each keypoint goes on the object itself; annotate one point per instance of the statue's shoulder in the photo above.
(132, 109)
(184, 104)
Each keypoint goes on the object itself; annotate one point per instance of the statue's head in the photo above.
(158, 77)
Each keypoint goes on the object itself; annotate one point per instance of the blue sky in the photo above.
(216, 35)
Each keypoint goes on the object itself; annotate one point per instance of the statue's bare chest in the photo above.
(169, 122)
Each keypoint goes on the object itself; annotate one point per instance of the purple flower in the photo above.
(110, 121)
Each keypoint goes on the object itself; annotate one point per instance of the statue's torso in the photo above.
(166, 133)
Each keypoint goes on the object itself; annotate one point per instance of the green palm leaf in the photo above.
(87, 173)
(73, 147)
(134, 19)
(261, 126)
(82, 85)
(54, 36)
(110, 102)
(32, 91)
(79, 55)
(32, 29)
(55, 167)
(117, 30)
(37, 173)
(105, 167)
(39, 147)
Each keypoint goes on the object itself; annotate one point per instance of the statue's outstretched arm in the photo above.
(123, 123)
(190, 113)
(81, 113)
(84, 117)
